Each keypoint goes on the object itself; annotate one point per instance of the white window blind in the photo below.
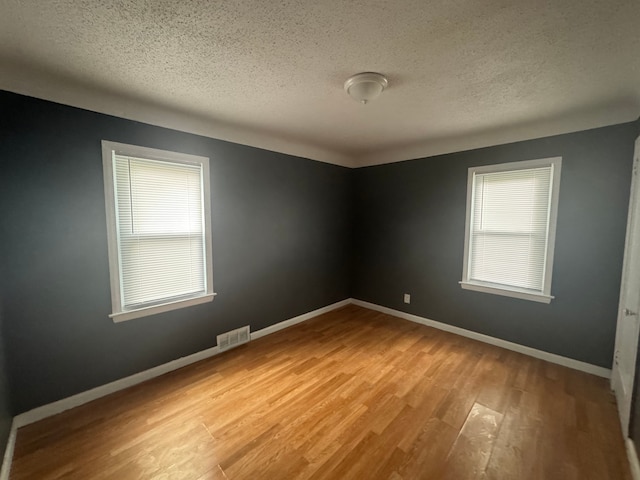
(511, 218)
(160, 231)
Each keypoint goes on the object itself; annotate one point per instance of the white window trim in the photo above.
(545, 296)
(108, 151)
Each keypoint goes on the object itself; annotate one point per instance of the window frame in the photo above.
(109, 150)
(545, 295)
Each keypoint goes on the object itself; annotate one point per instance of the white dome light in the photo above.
(365, 87)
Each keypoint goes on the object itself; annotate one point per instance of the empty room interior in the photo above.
(319, 240)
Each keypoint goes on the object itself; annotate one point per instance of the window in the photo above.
(510, 228)
(159, 228)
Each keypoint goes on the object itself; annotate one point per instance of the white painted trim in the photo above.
(532, 352)
(26, 80)
(618, 112)
(8, 452)
(300, 318)
(505, 292)
(632, 455)
(87, 396)
(109, 152)
(60, 406)
(626, 343)
(163, 307)
(554, 164)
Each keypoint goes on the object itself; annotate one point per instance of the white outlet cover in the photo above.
(407, 298)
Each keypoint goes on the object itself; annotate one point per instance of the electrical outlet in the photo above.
(407, 298)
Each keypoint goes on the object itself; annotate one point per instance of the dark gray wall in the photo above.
(279, 228)
(409, 229)
(289, 235)
(6, 414)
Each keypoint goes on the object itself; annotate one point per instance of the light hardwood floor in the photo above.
(351, 394)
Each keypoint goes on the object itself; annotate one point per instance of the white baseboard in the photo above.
(60, 406)
(300, 318)
(87, 396)
(516, 347)
(632, 455)
(8, 452)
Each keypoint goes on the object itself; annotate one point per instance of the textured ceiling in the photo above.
(462, 73)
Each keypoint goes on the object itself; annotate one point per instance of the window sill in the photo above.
(164, 307)
(523, 295)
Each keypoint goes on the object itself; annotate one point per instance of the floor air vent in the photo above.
(233, 338)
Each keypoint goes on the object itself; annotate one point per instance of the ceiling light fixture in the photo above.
(365, 87)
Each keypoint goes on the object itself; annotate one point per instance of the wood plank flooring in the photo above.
(351, 394)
